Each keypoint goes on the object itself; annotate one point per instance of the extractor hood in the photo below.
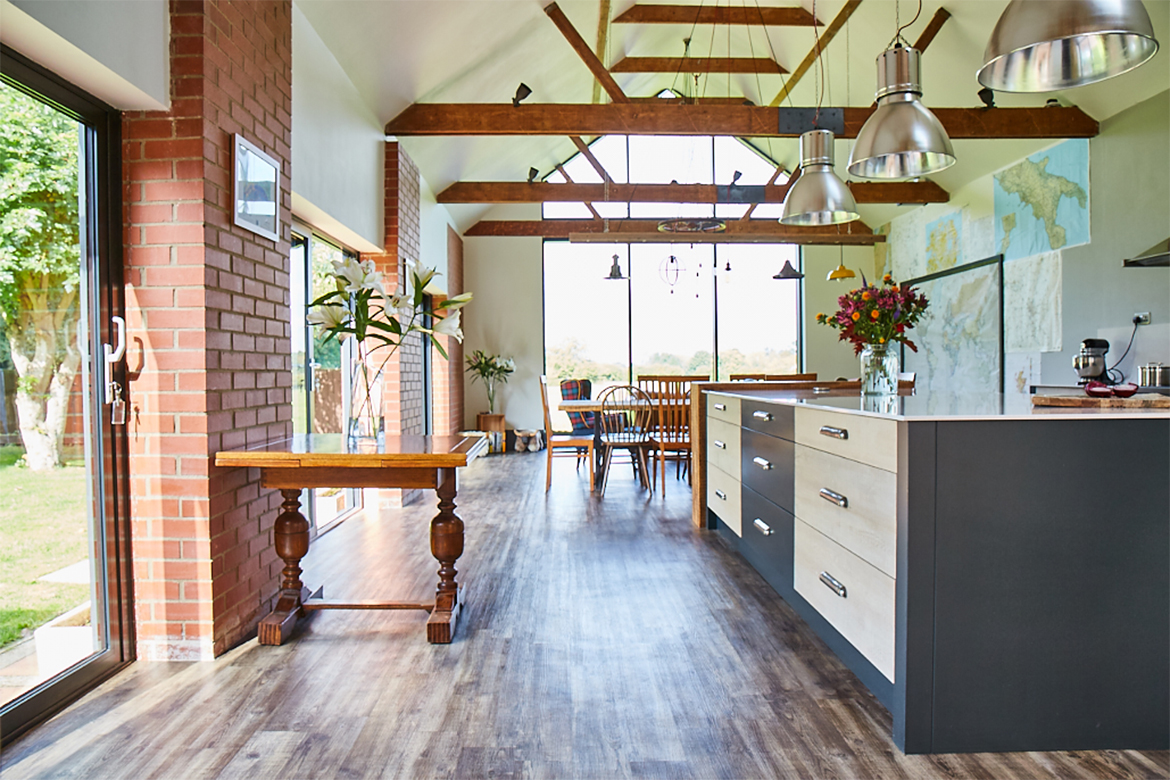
(1157, 255)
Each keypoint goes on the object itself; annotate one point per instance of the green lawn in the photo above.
(42, 529)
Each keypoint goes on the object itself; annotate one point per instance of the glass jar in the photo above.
(879, 369)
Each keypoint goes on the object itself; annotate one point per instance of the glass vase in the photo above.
(367, 423)
(879, 370)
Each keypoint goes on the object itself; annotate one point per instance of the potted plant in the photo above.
(874, 318)
(490, 369)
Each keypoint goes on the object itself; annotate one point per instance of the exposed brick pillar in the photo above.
(209, 353)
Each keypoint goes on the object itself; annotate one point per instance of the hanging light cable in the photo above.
(1046, 45)
(818, 197)
(901, 139)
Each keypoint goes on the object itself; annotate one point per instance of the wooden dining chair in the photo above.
(670, 427)
(624, 420)
(562, 445)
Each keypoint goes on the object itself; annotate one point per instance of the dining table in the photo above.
(292, 465)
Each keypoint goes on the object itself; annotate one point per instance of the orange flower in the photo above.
(865, 296)
(881, 340)
(887, 278)
(856, 316)
(875, 314)
(895, 288)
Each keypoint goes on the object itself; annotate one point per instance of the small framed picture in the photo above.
(256, 189)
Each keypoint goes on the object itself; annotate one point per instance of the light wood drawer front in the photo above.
(723, 498)
(857, 437)
(867, 522)
(723, 445)
(722, 407)
(864, 613)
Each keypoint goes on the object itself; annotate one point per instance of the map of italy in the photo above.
(1042, 202)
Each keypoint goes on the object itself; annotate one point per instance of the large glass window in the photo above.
(709, 309)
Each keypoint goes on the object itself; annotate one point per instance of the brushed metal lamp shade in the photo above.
(901, 139)
(1047, 45)
(818, 197)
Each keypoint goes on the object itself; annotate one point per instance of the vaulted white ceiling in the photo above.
(398, 52)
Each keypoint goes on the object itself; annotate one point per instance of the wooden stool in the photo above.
(493, 423)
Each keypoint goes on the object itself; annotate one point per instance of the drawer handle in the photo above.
(834, 498)
(719, 444)
(835, 433)
(765, 465)
(833, 584)
(765, 529)
(721, 407)
(721, 494)
(767, 416)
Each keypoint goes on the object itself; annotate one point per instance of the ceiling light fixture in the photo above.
(532, 174)
(522, 92)
(788, 272)
(840, 272)
(615, 271)
(902, 138)
(1046, 45)
(818, 197)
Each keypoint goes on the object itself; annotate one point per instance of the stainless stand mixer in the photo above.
(1090, 362)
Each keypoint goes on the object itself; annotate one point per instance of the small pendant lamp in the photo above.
(902, 138)
(840, 272)
(615, 271)
(788, 272)
(1046, 45)
(818, 197)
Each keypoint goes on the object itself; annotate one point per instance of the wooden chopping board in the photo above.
(1139, 401)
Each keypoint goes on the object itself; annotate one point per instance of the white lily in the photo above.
(449, 326)
(421, 273)
(457, 302)
(328, 315)
(359, 275)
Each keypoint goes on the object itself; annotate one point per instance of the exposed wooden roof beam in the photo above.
(697, 65)
(545, 192)
(830, 31)
(585, 53)
(646, 230)
(569, 179)
(668, 117)
(936, 22)
(772, 180)
(583, 147)
(706, 14)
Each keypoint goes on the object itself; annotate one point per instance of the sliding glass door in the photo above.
(64, 565)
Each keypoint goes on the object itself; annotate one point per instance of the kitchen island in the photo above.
(999, 581)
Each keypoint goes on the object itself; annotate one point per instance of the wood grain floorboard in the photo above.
(601, 639)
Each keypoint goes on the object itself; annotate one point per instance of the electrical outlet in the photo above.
(1141, 318)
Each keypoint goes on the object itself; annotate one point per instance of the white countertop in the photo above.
(943, 406)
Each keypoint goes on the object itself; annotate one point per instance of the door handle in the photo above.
(764, 528)
(762, 463)
(835, 433)
(721, 407)
(834, 498)
(832, 583)
(314, 382)
(767, 416)
(718, 444)
(721, 494)
(112, 354)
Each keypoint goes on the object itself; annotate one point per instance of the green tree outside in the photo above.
(40, 261)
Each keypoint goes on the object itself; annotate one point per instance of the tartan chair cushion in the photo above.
(574, 390)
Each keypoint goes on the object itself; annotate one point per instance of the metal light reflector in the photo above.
(818, 197)
(902, 138)
(1046, 45)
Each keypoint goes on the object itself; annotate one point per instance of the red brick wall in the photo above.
(208, 316)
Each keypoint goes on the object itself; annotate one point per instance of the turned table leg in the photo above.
(291, 537)
(446, 546)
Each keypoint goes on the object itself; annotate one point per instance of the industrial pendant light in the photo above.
(1046, 45)
(615, 271)
(840, 272)
(818, 197)
(902, 138)
(788, 272)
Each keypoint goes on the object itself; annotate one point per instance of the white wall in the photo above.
(117, 50)
(506, 317)
(338, 147)
(435, 220)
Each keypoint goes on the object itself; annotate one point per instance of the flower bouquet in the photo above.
(490, 369)
(873, 317)
(361, 308)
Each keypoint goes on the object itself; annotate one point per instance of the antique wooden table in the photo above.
(324, 460)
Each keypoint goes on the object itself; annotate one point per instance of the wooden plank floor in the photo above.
(604, 639)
